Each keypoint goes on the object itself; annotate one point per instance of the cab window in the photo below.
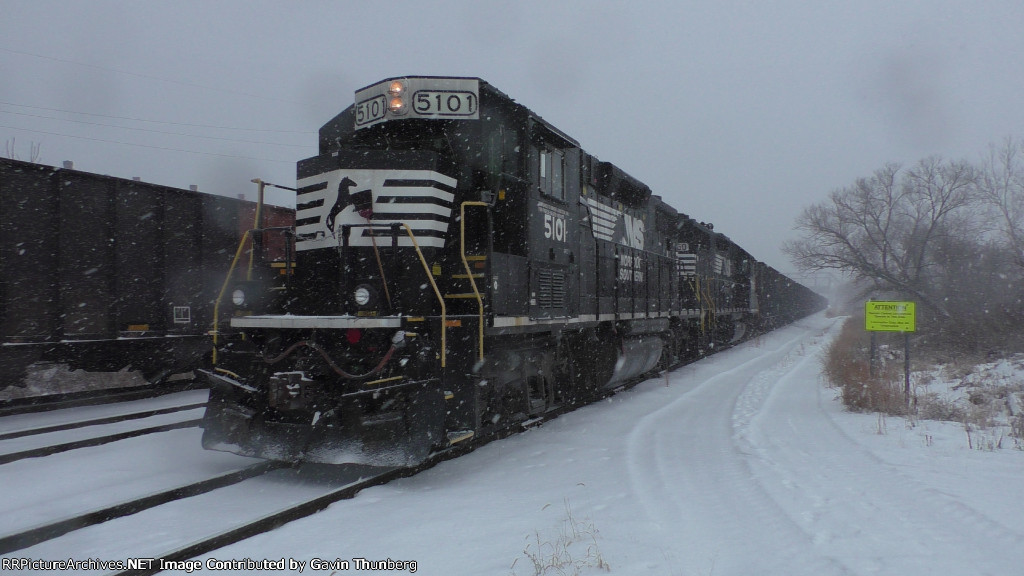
(551, 179)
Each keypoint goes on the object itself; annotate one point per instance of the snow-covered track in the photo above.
(97, 421)
(96, 441)
(41, 434)
(50, 402)
(273, 520)
(51, 530)
(314, 505)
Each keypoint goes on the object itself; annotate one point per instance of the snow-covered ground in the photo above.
(742, 464)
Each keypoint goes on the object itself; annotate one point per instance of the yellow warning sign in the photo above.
(882, 316)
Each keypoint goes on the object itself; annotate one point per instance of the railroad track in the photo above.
(275, 520)
(312, 506)
(28, 538)
(239, 531)
(32, 435)
(98, 421)
(51, 530)
(50, 402)
(95, 441)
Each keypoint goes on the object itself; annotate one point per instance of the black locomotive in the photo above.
(460, 265)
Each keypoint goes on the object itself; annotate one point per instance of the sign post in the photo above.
(893, 316)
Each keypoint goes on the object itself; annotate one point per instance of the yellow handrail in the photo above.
(257, 221)
(469, 272)
(444, 317)
(223, 288)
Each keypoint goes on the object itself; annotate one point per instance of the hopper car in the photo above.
(104, 274)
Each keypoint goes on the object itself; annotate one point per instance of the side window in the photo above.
(543, 180)
(552, 172)
(558, 174)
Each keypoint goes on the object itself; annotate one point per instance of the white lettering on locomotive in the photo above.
(555, 227)
(634, 232)
(604, 220)
(631, 268)
(722, 266)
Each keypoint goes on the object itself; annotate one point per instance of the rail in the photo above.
(469, 272)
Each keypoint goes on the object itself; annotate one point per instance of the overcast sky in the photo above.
(737, 113)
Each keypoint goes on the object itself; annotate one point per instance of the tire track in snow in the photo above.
(854, 505)
(686, 472)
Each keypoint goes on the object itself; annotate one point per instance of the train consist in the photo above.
(460, 266)
(105, 273)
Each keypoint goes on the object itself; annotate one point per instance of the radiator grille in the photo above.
(550, 289)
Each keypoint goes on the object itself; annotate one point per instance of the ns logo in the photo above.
(634, 237)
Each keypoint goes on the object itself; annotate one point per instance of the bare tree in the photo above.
(1001, 185)
(886, 228)
(10, 149)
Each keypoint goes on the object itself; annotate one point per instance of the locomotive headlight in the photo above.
(238, 297)
(361, 296)
(396, 100)
(398, 340)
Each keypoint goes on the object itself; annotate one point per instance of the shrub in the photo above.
(573, 551)
(931, 406)
(846, 365)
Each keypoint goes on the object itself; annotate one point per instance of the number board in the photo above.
(880, 316)
(424, 97)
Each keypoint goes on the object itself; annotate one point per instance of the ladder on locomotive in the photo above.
(466, 279)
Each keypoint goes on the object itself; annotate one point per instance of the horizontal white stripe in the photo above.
(602, 208)
(301, 322)
(345, 322)
(388, 175)
(382, 226)
(604, 218)
(363, 241)
(513, 321)
(414, 192)
(390, 208)
(385, 193)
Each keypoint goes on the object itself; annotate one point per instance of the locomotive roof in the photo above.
(383, 80)
(341, 123)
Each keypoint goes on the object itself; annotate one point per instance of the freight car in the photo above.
(105, 273)
(461, 265)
